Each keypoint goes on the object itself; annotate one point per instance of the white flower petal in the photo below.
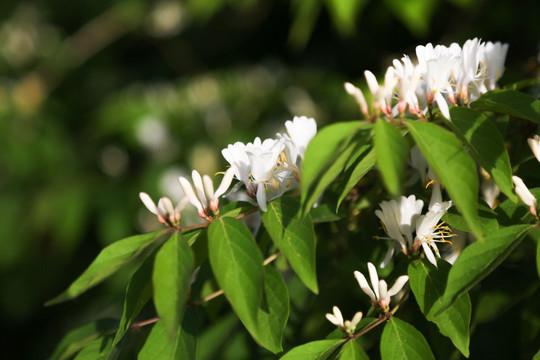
(364, 286)
(148, 202)
(374, 277)
(398, 285)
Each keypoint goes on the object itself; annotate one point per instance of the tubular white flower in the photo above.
(534, 143)
(346, 326)
(301, 130)
(493, 58)
(524, 194)
(359, 97)
(378, 293)
(166, 213)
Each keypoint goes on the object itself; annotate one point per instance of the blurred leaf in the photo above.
(358, 166)
(77, 339)
(353, 351)
(478, 260)
(315, 350)
(110, 260)
(97, 349)
(402, 341)
(487, 146)
(511, 102)
(273, 312)
(138, 292)
(326, 156)
(344, 14)
(428, 283)
(171, 278)
(294, 236)
(454, 167)
(237, 264)
(414, 14)
(391, 153)
(182, 347)
(235, 208)
(323, 213)
(212, 341)
(305, 16)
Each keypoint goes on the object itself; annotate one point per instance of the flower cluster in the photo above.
(443, 75)
(403, 217)
(271, 167)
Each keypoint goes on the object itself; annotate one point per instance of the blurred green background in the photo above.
(102, 99)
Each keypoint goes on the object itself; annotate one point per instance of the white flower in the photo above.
(359, 97)
(409, 78)
(524, 194)
(379, 293)
(204, 198)
(534, 143)
(382, 95)
(493, 58)
(346, 326)
(489, 189)
(166, 213)
(301, 130)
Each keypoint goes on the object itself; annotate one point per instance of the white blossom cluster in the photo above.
(447, 76)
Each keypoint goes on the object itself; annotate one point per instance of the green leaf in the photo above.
(235, 208)
(454, 167)
(79, 338)
(182, 347)
(478, 260)
(538, 255)
(358, 166)
(326, 156)
(323, 213)
(511, 102)
(294, 236)
(487, 219)
(428, 283)
(391, 153)
(273, 312)
(173, 267)
(353, 351)
(237, 264)
(344, 13)
(487, 146)
(402, 341)
(97, 349)
(138, 292)
(315, 350)
(110, 260)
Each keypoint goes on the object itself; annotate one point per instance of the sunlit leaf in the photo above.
(315, 350)
(173, 267)
(391, 153)
(352, 351)
(511, 102)
(401, 340)
(110, 260)
(294, 236)
(358, 165)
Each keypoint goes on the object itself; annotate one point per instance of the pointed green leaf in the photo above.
(402, 341)
(454, 167)
(294, 236)
(315, 350)
(110, 260)
(487, 219)
(79, 338)
(478, 260)
(358, 166)
(428, 283)
(273, 312)
(391, 153)
(183, 346)
(326, 156)
(487, 146)
(99, 349)
(236, 208)
(237, 264)
(138, 292)
(173, 267)
(353, 351)
(511, 102)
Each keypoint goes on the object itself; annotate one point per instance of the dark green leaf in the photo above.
(326, 156)
(402, 341)
(487, 146)
(173, 267)
(215, 337)
(294, 236)
(237, 264)
(509, 102)
(77, 339)
(487, 219)
(478, 260)
(138, 292)
(273, 312)
(323, 213)
(97, 349)
(428, 284)
(358, 166)
(182, 347)
(391, 153)
(315, 350)
(353, 351)
(454, 167)
(109, 260)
